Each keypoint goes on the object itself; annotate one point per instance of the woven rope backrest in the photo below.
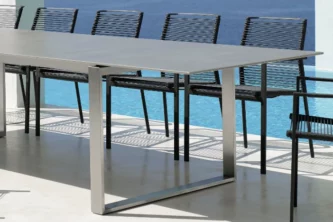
(120, 23)
(186, 27)
(10, 16)
(55, 19)
(280, 33)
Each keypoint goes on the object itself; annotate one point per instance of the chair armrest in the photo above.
(121, 75)
(314, 95)
(54, 70)
(298, 59)
(110, 76)
(314, 79)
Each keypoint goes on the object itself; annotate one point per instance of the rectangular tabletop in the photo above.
(78, 51)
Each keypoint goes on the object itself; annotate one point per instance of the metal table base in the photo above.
(165, 194)
(97, 150)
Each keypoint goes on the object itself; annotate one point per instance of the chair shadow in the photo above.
(204, 146)
(134, 136)
(68, 155)
(18, 116)
(208, 145)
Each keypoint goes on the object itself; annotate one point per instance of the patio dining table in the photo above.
(99, 55)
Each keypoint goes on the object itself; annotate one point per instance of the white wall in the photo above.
(11, 85)
(324, 34)
(7, 2)
(13, 90)
(29, 11)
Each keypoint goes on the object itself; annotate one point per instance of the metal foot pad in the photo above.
(168, 193)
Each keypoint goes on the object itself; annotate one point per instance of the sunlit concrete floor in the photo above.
(47, 178)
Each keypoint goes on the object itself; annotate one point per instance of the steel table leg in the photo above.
(186, 118)
(229, 123)
(97, 151)
(176, 116)
(96, 141)
(2, 101)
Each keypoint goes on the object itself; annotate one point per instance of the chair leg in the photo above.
(186, 120)
(293, 178)
(166, 119)
(244, 123)
(37, 98)
(145, 111)
(27, 100)
(108, 115)
(296, 175)
(294, 158)
(144, 105)
(220, 101)
(263, 137)
(22, 88)
(263, 141)
(176, 117)
(77, 89)
(306, 107)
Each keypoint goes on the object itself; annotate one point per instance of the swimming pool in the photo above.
(128, 102)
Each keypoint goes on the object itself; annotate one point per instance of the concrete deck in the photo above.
(47, 178)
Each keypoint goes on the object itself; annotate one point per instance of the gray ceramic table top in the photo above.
(168, 56)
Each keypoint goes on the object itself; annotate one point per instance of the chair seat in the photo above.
(149, 83)
(63, 75)
(321, 128)
(71, 76)
(242, 91)
(16, 69)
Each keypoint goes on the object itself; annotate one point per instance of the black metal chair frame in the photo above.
(20, 70)
(243, 95)
(297, 132)
(108, 85)
(216, 73)
(37, 79)
(174, 85)
(83, 78)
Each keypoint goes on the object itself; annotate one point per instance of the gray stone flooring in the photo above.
(47, 178)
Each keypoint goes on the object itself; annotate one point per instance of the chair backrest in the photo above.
(10, 16)
(281, 33)
(55, 19)
(122, 23)
(192, 27)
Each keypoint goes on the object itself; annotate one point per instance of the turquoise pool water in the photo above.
(204, 111)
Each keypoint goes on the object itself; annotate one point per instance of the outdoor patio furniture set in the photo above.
(285, 78)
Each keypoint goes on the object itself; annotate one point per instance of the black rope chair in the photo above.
(121, 23)
(186, 27)
(51, 20)
(282, 33)
(10, 16)
(321, 129)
